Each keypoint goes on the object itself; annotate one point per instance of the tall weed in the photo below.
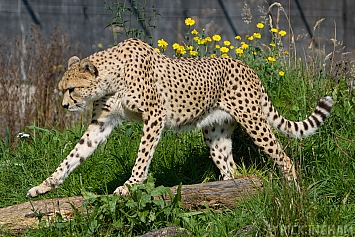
(30, 71)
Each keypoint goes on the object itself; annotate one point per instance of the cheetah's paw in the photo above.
(122, 190)
(38, 190)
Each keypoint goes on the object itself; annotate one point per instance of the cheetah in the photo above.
(132, 81)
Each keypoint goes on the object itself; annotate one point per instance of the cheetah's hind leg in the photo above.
(218, 138)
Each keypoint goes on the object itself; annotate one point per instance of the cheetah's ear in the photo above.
(88, 66)
(72, 61)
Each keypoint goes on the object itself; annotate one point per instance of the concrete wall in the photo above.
(85, 20)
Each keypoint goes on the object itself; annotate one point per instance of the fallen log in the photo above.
(213, 194)
(217, 194)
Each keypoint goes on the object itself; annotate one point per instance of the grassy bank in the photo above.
(325, 162)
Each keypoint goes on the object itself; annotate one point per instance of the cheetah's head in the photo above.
(80, 84)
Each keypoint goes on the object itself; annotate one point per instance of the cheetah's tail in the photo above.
(297, 129)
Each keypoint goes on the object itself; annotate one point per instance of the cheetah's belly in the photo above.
(216, 116)
(212, 117)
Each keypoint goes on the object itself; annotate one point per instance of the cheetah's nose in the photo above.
(65, 106)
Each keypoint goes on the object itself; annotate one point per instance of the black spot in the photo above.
(311, 122)
(324, 105)
(155, 123)
(81, 141)
(316, 120)
(320, 113)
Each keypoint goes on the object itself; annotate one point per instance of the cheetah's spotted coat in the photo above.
(133, 81)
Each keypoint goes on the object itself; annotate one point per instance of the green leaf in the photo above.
(159, 191)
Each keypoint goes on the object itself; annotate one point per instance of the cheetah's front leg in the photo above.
(152, 130)
(96, 133)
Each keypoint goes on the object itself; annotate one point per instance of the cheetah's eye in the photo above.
(71, 90)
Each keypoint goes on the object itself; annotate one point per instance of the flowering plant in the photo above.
(247, 48)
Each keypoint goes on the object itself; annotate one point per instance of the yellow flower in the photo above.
(281, 73)
(271, 59)
(250, 38)
(257, 35)
(286, 53)
(239, 51)
(189, 21)
(225, 55)
(244, 45)
(260, 25)
(274, 30)
(176, 46)
(216, 37)
(231, 47)
(201, 41)
(217, 46)
(224, 49)
(227, 43)
(156, 49)
(208, 39)
(273, 45)
(162, 43)
(190, 48)
(238, 37)
(282, 33)
(194, 32)
(193, 53)
(213, 55)
(181, 50)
